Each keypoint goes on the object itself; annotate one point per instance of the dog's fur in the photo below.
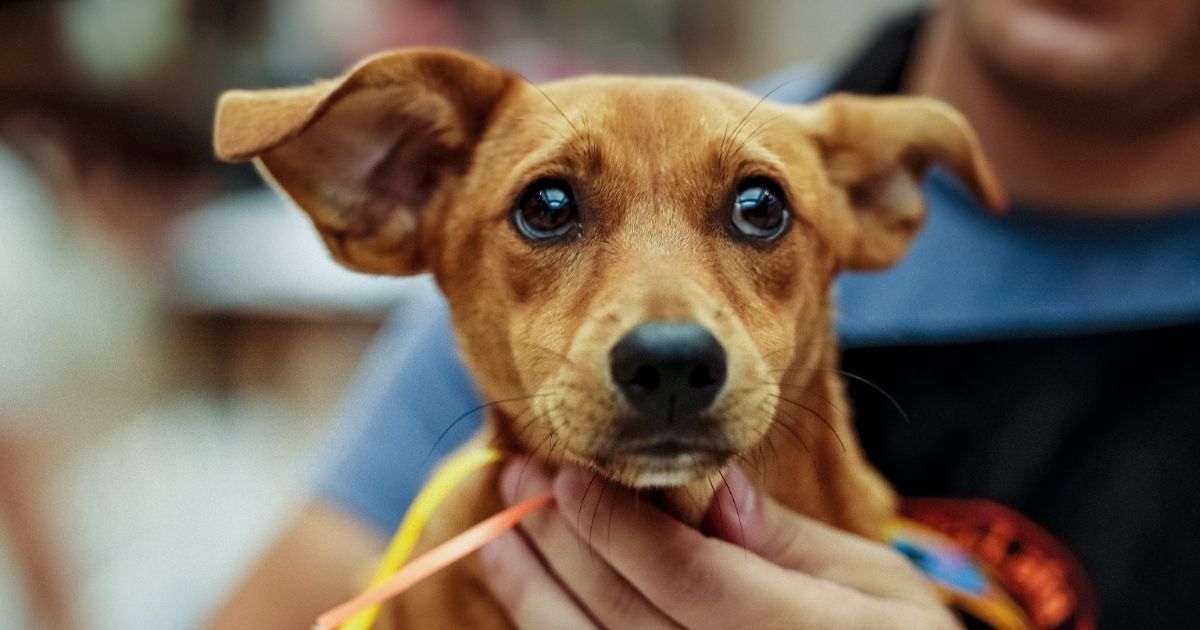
(413, 162)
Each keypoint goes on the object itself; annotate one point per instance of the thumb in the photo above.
(740, 514)
(743, 515)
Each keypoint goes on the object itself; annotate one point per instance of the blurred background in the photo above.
(173, 338)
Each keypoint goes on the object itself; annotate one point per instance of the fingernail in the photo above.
(522, 479)
(744, 494)
(732, 511)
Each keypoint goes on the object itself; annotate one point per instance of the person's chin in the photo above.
(1053, 51)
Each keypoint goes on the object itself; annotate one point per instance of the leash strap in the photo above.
(444, 481)
(433, 561)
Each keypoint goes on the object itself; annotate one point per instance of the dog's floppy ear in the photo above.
(876, 151)
(369, 155)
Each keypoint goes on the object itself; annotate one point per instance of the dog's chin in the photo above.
(677, 482)
(674, 474)
(667, 469)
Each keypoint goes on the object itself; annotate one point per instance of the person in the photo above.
(31, 369)
(1045, 358)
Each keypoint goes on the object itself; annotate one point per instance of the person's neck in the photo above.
(1048, 162)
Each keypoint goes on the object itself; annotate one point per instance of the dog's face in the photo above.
(642, 267)
(636, 267)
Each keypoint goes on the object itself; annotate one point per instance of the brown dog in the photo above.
(638, 269)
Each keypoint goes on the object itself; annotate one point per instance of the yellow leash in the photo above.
(444, 481)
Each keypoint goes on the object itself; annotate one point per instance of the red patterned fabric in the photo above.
(1037, 572)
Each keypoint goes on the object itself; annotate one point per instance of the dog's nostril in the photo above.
(703, 376)
(646, 377)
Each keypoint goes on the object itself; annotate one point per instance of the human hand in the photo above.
(630, 565)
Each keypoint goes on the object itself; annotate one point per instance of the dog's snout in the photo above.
(668, 370)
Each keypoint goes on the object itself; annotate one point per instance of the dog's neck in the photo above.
(816, 465)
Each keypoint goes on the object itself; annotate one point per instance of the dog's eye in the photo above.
(759, 211)
(545, 211)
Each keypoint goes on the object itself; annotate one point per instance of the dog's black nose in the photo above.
(668, 371)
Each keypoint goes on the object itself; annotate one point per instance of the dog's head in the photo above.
(633, 265)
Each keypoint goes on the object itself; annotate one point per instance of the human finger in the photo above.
(526, 589)
(604, 593)
(704, 582)
(744, 516)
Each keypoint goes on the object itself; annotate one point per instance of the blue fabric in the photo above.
(408, 391)
(972, 276)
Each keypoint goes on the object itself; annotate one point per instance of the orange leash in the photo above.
(434, 560)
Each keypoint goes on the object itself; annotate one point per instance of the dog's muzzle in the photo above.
(670, 374)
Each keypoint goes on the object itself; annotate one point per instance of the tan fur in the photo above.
(413, 161)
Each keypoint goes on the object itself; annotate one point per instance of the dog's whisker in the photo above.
(549, 437)
(565, 138)
(858, 379)
(733, 135)
(591, 151)
(746, 138)
(555, 442)
(583, 499)
(773, 469)
(588, 147)
(877, 388)
(808, 390)
(462, 417)
(727, 145)
(766, 449)
(579, 519)
(852, 376)
(737, 511)
(525, 426)
(764, 469)
(812, 459)
(534, 419)
(612, 506)
(748, 463)
(554, 105)
(816, 414)
(595, 511)
(791, 432)
(757, 462)
(718, 530)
